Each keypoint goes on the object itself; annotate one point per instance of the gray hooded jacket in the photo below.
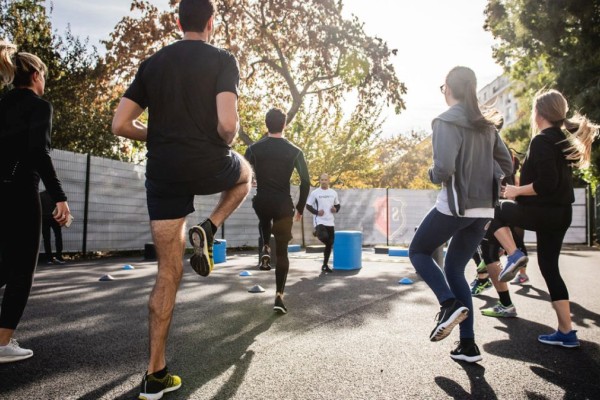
(463, 161)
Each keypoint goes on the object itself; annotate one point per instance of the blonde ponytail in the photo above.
(7, 67)
(18, 68)
(553, 107)
(583, 133)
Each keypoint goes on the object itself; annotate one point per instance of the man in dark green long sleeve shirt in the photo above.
(274, 159)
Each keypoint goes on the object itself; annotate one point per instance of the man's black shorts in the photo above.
(325, 234)
(173, 200)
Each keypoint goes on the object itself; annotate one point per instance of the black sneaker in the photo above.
(279, 306)
(153, 388)
(469, 353)
(265, 259)
(58, 261)
(325, 268)
(447, 319)
(201, 238)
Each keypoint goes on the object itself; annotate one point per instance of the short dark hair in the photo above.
(194, 14)
(275, 120)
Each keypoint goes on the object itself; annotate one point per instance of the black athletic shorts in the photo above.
(173, 200)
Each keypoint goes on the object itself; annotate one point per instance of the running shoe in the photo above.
(13, 352)
(475, 281)
(447, 319)
(482, 268)
(279, 306)
(265, 259)
(500, 311)
(325, 268)
(201, 238)
(520, 279)
(469, 353)
(514, 263)
(479, 287)
(153, 388)
(560, 339)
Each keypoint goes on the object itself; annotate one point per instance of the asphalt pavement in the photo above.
(348, 335)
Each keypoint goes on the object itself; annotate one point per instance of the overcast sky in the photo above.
(431, 36)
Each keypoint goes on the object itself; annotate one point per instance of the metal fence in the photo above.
(108, 200)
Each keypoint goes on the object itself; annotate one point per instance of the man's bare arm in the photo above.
(125, 122)
(227, 114)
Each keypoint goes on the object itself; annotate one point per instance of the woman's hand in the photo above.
(62, 213)
(511, 192)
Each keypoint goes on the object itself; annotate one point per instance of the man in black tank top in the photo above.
(274, 159)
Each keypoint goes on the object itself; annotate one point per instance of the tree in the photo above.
(293, 49)
(83, 100)
(344, 149)
(300, 55)
(404, 161)
(552, 44)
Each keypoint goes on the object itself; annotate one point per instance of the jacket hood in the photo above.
(455, 115)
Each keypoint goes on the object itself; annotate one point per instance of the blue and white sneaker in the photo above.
(560, 339)
(514, 263)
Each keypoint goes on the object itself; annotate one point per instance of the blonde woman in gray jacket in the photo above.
(465, 146)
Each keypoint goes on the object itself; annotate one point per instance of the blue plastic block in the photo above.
(397, 252)
(128, 267)
(405, 281)
(245, 273)
(294, 248)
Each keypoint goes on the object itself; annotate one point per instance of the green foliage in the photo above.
(403, 162)
(75, 84)
(341, 146)
(551, 44)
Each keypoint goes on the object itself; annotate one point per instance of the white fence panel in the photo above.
(118, 217)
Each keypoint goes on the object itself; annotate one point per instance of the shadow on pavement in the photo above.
(480, 388)
(575, 370)
(97, 331)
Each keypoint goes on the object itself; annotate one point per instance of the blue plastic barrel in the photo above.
(347, 250)
(220, 251)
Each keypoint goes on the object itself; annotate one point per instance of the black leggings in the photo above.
(326, 235)
(19, 246)
(490, 248)
(276, 215)
(47, 224)
(550, 225)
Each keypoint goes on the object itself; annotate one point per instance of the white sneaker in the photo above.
(13, 352)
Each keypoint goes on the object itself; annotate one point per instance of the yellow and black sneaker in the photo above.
(201, 238)
(153, 388)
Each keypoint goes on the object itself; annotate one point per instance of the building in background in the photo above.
(498, 95)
